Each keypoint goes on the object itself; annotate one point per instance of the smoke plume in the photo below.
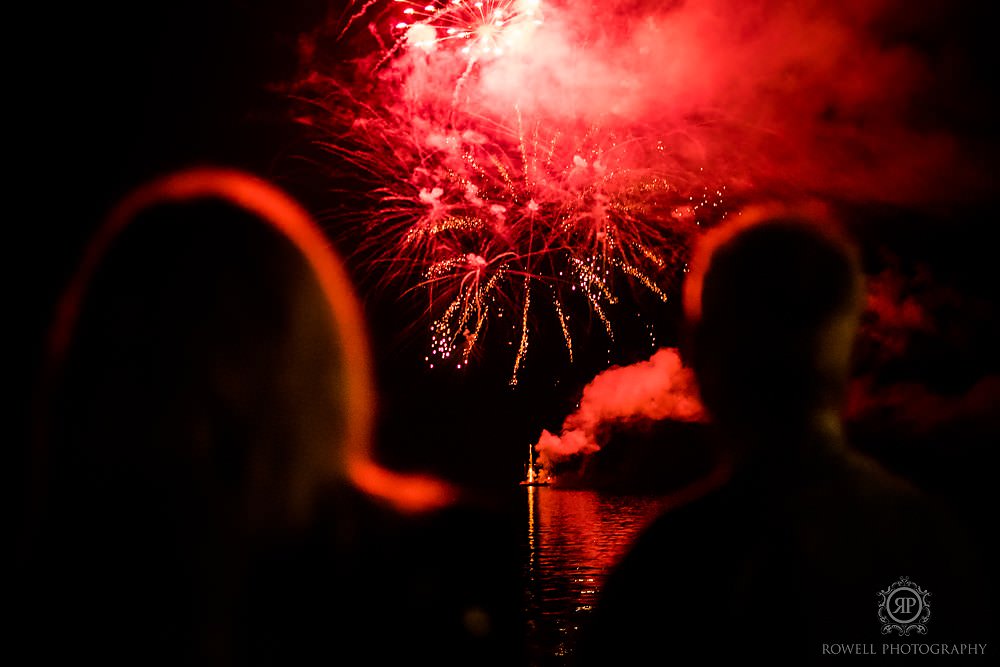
(656, 389)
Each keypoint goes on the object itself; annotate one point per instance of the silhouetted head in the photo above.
(772, 304)
(210, 382)
(213, 333)
(205, 362)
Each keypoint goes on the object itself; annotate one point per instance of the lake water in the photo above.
(573, 539)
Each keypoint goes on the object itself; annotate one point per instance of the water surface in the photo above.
(573, 539)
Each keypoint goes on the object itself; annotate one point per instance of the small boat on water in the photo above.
(532, 476)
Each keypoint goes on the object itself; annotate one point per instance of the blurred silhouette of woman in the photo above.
(210, 404)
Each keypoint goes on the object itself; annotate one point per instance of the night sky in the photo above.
(108, 98)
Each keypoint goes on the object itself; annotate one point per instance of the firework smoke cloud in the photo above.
(522, 164)
(652, 390)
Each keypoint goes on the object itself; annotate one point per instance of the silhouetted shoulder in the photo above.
(781, 565)
(666, 594)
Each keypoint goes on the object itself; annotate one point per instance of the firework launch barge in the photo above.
(533, 477)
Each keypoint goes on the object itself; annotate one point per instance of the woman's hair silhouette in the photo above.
(209, 385)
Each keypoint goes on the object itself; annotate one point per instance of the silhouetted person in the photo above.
(210, 494)
(786, 548)
(209, 382)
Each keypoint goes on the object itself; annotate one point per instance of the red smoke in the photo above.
(914, 409)
(840, 99)
(915, 320)
(658, 388)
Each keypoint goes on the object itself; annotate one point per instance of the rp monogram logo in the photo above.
(903, 608)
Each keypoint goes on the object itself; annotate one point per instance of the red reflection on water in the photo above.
(588, 528)
(574, 538)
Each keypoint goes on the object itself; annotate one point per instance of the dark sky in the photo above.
(107, 98)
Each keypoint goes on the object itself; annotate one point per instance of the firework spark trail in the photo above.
(461, 81)
(641, 277)
(355, 16)
(604, 318)
(565, 329)
(523, 347)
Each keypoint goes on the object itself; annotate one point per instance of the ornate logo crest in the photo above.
(904, 608)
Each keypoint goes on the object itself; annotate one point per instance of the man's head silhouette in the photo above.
(772, 305)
